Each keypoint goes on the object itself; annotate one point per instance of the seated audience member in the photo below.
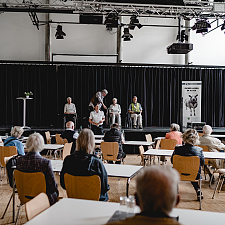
(191, 138)
(114, 135)
(83, 163)
(135, 111)
(214, 145)
(34, 162)
(70, 110)
(115, 111)
(16, 133)
(157, 195)
(70, 135)
(96, 119)
(174, 133)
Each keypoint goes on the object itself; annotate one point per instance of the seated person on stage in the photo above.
(135, 111)
(69, 110)
(70, 135)
(34, 162)
(115, 111)
(96, 119)
(174, 133)
(16, 133)
(84, 163)
(157, 194)
(98, 99)
(114, 135)
(214, 145)
(191, 138)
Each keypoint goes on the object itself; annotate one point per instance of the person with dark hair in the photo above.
(191, 138)
(84, 163)
(114, 135)
(157, 195)
(174, 133)
(135, 111)
(70, 135)
(96, 120)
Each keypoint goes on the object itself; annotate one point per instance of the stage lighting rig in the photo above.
(182, 36)
(134, 22)
(59, 33)
(112, 20)
(127, 36)
(201, 26)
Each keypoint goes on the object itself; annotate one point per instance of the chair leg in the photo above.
(221, 184)
(7, 207)
(18, 214)
(216, 186)
(200, 202)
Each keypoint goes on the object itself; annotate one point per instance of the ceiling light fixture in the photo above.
(134, 22)
(127, 36)
(59, 33)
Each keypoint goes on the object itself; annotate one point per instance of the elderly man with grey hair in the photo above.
(214, 145)
(191, 138)
(98, 99)
(157, 195)
(114, 112)
(16, 133)
(34, 162)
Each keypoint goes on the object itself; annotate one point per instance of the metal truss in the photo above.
(191, 9)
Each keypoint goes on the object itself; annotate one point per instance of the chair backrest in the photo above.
(169, 144)
(148, 137)
(141, 151)
(48, 137)
(187, 166)
(66, 149)
(205, 149)
(36, 205)
(110, 150)
(157, 144)
(29, 185)
(200, 134)
(59, 140)
(6, 151)
(83, 187)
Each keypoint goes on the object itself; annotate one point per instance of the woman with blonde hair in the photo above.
(84, 163)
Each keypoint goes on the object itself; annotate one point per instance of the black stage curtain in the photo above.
(158, 90)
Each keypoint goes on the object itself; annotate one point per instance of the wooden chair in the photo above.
(168, 144)
(143, 158)
(200, 134)
(149, 139)
(6, 151)
(221, 178)
(188, 167)
(37, 205)
(48, 137)
(66, 150)
(83, 187)
(59, 140)
(28, 186)
(110, 151)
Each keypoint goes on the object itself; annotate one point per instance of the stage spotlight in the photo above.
(134, 22)
(201, 26)
(112, 20)
(127, 36)
(59, 33)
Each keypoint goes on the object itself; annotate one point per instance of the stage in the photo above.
(130, 134)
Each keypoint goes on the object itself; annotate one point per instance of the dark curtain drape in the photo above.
(158, 90)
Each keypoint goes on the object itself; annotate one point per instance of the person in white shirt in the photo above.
(96, 119)
(70, 110)
(115, 111)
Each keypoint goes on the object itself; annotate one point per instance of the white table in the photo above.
(97, 141)
(113, 170)
(218, 135)
(99, 136)
(207, 155)
(76, 211)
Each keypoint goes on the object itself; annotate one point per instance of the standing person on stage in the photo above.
(70, 135)
(98, 99)
(135, 111)
(96, 119)
(16, 133)
(70, 110)
(115, 111)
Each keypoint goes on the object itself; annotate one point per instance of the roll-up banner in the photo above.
(191, 95)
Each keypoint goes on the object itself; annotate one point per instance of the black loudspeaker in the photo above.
(87, 18)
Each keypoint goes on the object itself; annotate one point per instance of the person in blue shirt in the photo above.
(16, 133)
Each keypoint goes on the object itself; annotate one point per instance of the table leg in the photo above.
(127, 192)
(13, 198)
